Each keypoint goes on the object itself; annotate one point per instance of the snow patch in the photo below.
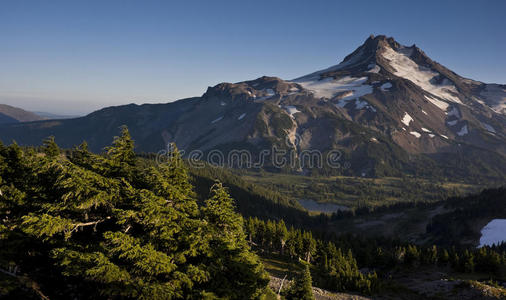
(216, 120)
(440, 104)
(463, 131)
(488, 127)
(454, 112)
(241, 116)
(270, 92)
(373, 68)
(223, 103)
(329, 87)
(406, 119)
(416, 134)
(431, 135)
(452, 123)
(425, 130)
(444, 136)
(423, 111)
(385, 86)
(357, 58)
(290, 109)
(419, 75)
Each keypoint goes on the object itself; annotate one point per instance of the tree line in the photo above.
(359, 264)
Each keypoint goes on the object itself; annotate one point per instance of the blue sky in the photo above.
(77, 56)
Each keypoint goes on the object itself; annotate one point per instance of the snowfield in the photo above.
(241, 116)
(329, 87)
(421, 76)
(416, 134)
(440, 104)
(406, 119)
(493, 233)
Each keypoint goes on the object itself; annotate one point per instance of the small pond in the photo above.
(493, 233)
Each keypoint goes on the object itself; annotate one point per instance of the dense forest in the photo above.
(116, 225)
(104, 226)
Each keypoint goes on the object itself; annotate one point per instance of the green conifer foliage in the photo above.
(51, 149)
(107, 227)
(301, 288)
(229, 255)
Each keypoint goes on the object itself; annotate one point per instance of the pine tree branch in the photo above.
(93, 223)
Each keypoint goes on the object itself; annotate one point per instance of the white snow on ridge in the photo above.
(463, 131)
(432, 135)
(216, 120)
(329, 87)
(385, 86)
(425, 130)
(441, 104)
(423, 111)
(493, 233)
(316, 75)
(241, 116)
(406, 119)
(444, 136)
(416, 134)
(421, 76)
(452, 123)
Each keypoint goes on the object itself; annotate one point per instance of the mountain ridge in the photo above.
(388, 108)
(11, 114)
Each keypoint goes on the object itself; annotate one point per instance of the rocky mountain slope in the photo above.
(11, 114)
(388, 108)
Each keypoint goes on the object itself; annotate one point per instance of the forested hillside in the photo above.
(87, 226)
(117, 225)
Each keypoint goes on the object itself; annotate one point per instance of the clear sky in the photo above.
(77, 56)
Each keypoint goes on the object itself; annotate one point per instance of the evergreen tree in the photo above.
(51, 149)
(229, 255)
(301, 287)
(117, 229)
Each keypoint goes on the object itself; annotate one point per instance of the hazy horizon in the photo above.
(73, 58)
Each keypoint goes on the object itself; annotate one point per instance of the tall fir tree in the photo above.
(229, 254)
(301, 287)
